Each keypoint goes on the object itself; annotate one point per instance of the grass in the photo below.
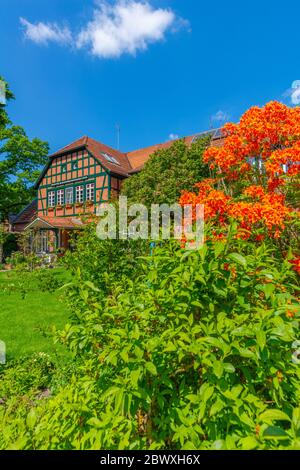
(25, 323)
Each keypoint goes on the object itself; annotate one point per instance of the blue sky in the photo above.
(158, 68)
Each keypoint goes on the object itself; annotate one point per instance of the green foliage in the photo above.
(193, 352)
(103, 261)
(25, 376)
(168, 172)
(47, 280)
(20, 163)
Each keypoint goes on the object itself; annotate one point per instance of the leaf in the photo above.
(296, 418)
(95, 423)
(219, 247)
(248, 443)
(216, 407)
(246, 352)
(92, 286)
(274, 415)
(261, 339)
(124, 356)
(31, 419)
(268, 289)
(275, 432)
(206, 392)
(151, 368)
(229, 367)
(193, 398)
(238, 259)
(218, 369)
(135, 375)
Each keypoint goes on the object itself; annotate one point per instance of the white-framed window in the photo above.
(51, 198)
(60, 197)
(90, 192)
(79, 194)
(42, 241)
(69, 195)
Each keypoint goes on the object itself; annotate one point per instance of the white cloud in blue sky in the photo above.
(43, 33)
(220, 116)
(292, 94)
(126, 27)
(173, 136)
(295, 92)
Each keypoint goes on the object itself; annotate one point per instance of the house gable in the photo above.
(72, 184)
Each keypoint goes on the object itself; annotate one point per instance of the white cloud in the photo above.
(173, 136)
(295, 92)
(292, 94)
(220, 116)
(126, 27)
(43, 33)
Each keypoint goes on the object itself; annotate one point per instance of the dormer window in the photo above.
(110, 158)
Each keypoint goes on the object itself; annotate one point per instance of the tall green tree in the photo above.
(167, 173)
(21, 160)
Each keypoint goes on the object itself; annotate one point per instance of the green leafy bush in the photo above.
(47, 280)
(193, 353)
(26, 376)
(104, 261)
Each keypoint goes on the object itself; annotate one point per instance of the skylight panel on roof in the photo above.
(110, 158)
(214, 134)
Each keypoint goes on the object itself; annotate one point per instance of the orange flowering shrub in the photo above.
(254, 170)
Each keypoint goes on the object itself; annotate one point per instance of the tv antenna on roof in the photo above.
(118, 127)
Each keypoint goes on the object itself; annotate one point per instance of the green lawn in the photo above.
(25, 323)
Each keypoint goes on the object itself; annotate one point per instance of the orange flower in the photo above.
(259, 158)
(290, 314)
(296, 264)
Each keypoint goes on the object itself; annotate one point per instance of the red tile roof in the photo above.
(56, 222)
(97, 148)
(129, 163)
(27, 215)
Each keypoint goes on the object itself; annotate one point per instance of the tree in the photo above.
(20, 162)
(256, 175)
(167, 173)
(3, 236)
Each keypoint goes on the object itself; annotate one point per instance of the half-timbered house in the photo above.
(76, 179)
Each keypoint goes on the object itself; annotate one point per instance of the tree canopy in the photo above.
(168, 172)
(21, 160)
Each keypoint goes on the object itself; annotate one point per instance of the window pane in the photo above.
(51, 199)
(79, 194)
(69, 195)
(90, 190)
(60, 197)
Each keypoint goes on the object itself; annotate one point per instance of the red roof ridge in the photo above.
(71, 145)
